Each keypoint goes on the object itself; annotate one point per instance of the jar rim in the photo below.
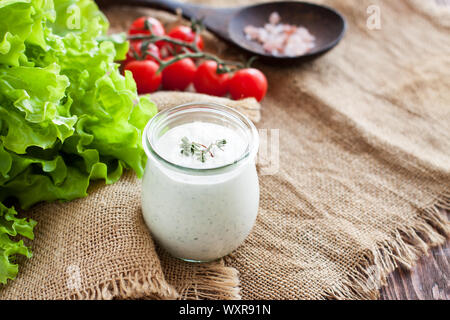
(249, 153)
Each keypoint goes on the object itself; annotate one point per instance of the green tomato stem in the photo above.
(222, 65)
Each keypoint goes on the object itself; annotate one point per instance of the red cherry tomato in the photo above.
(145, 74)
(178, 75)
(186, 34)
(138, 27)
(246, 83)
(208, 81)
(135, 48)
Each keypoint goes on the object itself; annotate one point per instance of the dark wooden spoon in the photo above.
(326, 24)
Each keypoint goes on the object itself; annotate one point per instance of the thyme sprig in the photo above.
(191, 148)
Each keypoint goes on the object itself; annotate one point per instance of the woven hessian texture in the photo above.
(363, 178)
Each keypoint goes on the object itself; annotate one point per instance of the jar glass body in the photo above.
(200, 214)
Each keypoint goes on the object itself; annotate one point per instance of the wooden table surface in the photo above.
(428, 280)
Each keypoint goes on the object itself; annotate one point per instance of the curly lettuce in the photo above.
(67, 115)
(10, 228)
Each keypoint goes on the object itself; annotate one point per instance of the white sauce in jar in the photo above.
(204, 133)
(200, 217)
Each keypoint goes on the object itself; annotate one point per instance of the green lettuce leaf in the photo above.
(67, 114)
(10, 228)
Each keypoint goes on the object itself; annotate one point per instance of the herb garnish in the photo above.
(191, 148)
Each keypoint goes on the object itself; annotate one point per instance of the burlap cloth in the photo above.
(364, 172)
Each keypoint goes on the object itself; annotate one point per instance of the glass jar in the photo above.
(200, 214)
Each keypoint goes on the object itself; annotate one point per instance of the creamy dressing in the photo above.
(203, 133)
(200, 217)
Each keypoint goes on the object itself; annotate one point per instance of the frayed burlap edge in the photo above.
(200, 281)
(402, 249)
(213, 283)
(132, 285)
